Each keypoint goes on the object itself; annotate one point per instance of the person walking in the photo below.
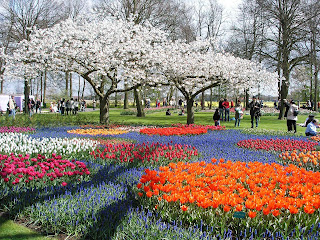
(221, 109)
(38, 106)
(238, 114)
(12, 107)
(254, 111)
(226, 107)
(292, 117)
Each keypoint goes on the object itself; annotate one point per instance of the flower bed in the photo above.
(277, 144)
(105, 203)
(180, 129)
(69, 148)
(13, 129)
(307, 159)
(110, 141)
(40, 171)
(316, 138)
(99, 131)
(145, 153)
(211, 193)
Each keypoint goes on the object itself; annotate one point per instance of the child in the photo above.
(216, 117)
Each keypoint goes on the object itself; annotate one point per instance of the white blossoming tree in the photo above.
(196, 67)
(108, 54)
(112, 54)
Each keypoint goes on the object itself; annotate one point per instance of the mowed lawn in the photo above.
(10, 230)
(203, 118)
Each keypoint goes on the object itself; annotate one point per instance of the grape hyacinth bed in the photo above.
(131, 185)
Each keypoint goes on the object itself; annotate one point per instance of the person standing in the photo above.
(68, 107)
(292, 117)
(38, 105)
(94, 104)
(254, 111)
(76, 106)
(216, 117)
(72, 106)
(63, 106)
(238, 114)
(59, 106)
(31, 105)
(226, 107)
(287, 106)
(221, 109)
(12, 107)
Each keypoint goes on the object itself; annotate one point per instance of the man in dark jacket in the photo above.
(221, 109)
(254, 111)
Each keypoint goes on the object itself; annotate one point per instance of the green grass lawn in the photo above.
(203, 118)
(10, 230)
(154, 118)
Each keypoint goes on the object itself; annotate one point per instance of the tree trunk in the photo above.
(316, 89)
(26, 95)
(140, 110)
(84, 85)
(67, 82)
(70, 78)
(38, 86)
(125, 99)
(1, 83)
(190, 112)
(211, 98)
(202, 100)
(79, 89)
(247, 99)
(41, 87)
(104, 110)
(44, 88)
(30, 87)
(170, 94)
(116, 100)
(311, 80)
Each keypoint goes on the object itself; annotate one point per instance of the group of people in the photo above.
(34, 106)
(70, 106)
(224, 110)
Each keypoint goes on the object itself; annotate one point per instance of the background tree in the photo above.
(22, 16)
(285, 36)
(247, 36)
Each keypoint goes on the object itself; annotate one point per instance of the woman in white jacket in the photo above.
(292, 117)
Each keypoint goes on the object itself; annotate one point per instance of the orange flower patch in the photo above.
(316, 138)
(254, 187)
(100, 131)
(307, 159)
(180, 129)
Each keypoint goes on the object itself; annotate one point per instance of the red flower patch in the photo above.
(145, 152)
(180, 129)
(22, 169)
(277, 144)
